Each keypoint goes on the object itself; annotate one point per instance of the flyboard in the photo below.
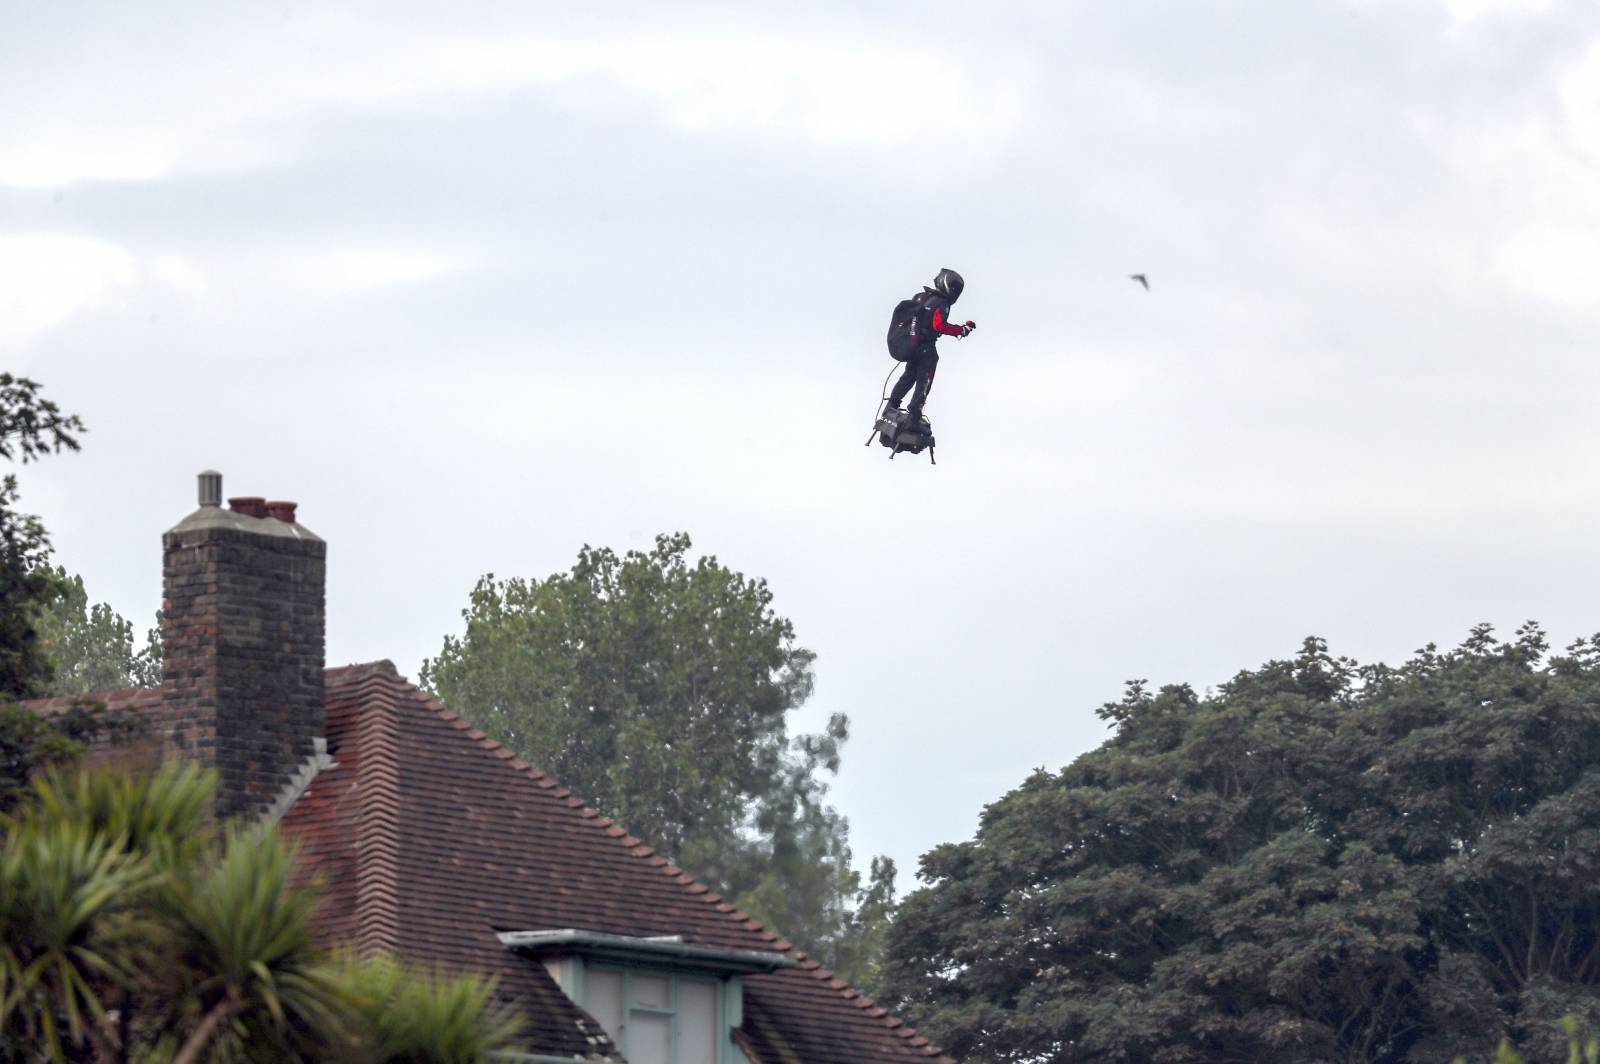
(894, 430)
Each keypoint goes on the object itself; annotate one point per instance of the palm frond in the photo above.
(413, 1016)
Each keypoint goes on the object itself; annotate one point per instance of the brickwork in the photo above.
(242, 632)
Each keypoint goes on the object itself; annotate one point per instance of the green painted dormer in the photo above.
(662, 1001)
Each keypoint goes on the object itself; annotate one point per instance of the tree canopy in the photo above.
(90, 646)
(1319, 861)
(660, 688)
(30, 428)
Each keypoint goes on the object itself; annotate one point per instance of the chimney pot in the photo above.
(249, 505)
(283, 511)
(210, 488)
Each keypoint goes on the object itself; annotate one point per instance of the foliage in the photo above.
(414, 1017)
(1317, 862)
(251, 983)
(659, 689)
(162, 816)
(132, 929)
(1579, 1048)
(793, 872)
(25, 588)
(91, 647)
(30, 427)
(30, 743)
(69, 907)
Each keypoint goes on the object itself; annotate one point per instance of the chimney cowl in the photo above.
(210, 488)
(249, 505)
(283, 511)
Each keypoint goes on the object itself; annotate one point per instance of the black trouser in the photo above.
(918, 374)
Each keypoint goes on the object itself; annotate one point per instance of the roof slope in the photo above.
(140, 700)
(430, 838)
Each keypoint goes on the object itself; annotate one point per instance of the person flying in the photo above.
(915, 346)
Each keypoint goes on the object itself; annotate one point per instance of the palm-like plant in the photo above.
(254, 985)
(70, 913)
(411, 1017)
(126, 930)
(161, 815)
(142, 831)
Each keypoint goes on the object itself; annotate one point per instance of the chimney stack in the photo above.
(242, 634)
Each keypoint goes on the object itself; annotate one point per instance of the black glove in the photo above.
(967, 328)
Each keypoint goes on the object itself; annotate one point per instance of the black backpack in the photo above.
(911, 324)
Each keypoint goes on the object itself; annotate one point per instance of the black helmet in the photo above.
(949, 284)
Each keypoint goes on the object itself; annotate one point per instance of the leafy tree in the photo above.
(132, 929)
(30, 427)
(660, 689)
(1580, 1049)
(1318, 862)
(30, 743)
(793, 871)
(25, 588)
(91, 647)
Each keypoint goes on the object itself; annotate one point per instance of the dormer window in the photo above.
(658, 1017)
(662, 1001)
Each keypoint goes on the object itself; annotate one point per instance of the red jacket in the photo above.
(942, 326)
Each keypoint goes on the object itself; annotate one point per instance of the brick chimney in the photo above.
(242, 635)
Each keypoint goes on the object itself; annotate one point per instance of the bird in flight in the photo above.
(1141, 279)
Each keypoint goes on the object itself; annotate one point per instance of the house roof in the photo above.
(134, 699)
(429, 840)
(432, 839)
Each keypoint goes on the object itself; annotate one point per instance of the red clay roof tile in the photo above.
(428, 838)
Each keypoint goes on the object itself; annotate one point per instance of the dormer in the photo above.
(662, 1000)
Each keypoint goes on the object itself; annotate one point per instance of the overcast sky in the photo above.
(477, 284)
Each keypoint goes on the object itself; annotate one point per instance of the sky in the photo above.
(477, 284)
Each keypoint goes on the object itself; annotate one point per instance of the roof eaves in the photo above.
(626, 948)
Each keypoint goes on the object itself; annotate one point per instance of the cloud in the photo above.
(1471, 10)
(822, 90)
(1551, 249)
(244, 95)
(46, 279)
(1553, 263)
(341, 270)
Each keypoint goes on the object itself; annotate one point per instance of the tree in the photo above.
(30, 427)
(131, 928)
(1318, 862)
(30, 744)
(91, 647)
(659, 689)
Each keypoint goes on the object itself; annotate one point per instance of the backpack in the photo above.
(907, 327)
